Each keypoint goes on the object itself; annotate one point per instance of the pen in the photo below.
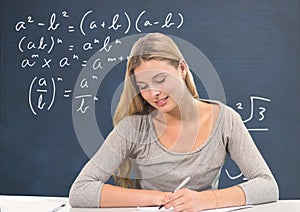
(179, 187)
(58, 208)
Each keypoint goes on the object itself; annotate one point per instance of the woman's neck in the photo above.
(187, 110)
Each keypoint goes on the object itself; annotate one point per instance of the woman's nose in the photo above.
(155, 92)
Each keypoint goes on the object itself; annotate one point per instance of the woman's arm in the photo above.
(87, 187)
(89, 190)
(260, 186)
(188, 200)
(114, 196)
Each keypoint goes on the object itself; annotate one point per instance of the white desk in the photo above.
(280, 206)
(32, 203)
(41, 204)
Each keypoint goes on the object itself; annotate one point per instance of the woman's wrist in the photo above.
(228, 197)
(208, 199)
(157, 197)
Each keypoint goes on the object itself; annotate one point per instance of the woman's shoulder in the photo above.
(226, 112)
(135, 128)
(134, 122)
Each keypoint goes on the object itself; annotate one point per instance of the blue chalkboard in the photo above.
(251, 47)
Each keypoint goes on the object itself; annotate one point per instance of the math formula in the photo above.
(53, 47)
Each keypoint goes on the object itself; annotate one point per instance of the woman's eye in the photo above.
(142, 87)
(160, 80)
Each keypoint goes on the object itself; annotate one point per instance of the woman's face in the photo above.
(161, 84)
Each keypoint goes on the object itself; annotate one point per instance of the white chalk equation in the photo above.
(55, 30)
(90, 21)
(42, 94)
(256, 111)
(62, 43)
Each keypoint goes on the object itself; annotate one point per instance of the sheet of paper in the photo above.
(152, 209)
(229, 209)
(155, 209)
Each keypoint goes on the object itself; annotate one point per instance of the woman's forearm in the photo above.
(114, 196)
(189, 200)
(232, 196)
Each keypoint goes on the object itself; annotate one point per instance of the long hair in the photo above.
(153, 46)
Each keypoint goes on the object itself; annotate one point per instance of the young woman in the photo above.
(163, 132)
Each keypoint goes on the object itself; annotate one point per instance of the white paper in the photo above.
(149, 209)
(229, 208)
(155, 209)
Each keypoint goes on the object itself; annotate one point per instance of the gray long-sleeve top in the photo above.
(158, 168)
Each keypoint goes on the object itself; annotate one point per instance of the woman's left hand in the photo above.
(186, 200)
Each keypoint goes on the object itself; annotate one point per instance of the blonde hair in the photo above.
(153, 46)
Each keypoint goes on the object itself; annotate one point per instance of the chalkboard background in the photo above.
(253, 46)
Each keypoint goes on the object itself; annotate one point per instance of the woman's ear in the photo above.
(183, 68)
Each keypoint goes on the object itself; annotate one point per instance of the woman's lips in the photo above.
(162, 102)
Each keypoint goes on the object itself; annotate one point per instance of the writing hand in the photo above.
(185, 200)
